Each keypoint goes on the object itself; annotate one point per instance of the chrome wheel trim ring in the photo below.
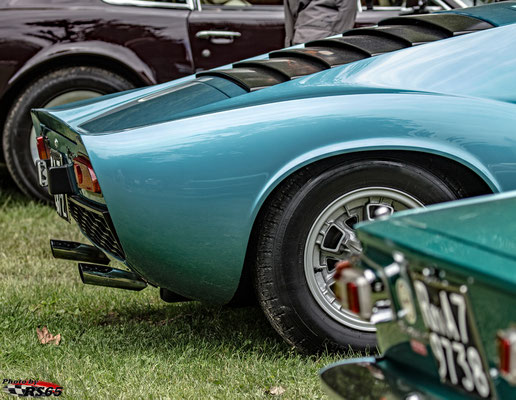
(65, 98)
(354, 205)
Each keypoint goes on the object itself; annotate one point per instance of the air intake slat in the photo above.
(250, 78)
(413, 34)
(370, 45)
(291, 68)
(454, 23)
(330, 56)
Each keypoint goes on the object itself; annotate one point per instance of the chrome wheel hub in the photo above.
(332, 238)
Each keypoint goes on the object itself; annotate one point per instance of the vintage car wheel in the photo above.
(308, 225)
(56, 88)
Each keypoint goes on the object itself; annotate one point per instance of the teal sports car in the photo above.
(443, 296)
(247, 180)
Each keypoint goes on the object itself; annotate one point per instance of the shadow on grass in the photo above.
(153, 325)
(154, 328)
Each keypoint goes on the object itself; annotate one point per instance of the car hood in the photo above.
(458, 66)
(476, 234)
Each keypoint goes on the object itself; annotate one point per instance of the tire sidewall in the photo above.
(298, 219)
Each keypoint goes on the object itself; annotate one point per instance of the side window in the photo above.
(242, 3)
(433, 5)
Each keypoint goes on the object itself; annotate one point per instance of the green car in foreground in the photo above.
(440, 286)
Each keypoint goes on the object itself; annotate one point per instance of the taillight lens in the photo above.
(353, 299)
(84, 175)
(352, 289)
(507, 353)
(43, 150)
(504, 350)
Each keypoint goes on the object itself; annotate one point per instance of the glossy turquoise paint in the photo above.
(502, 14)
(471, 242)
(184, 193)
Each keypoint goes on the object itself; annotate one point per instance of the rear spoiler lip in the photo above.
(43, 120)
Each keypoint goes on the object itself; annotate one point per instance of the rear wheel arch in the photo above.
(72, 60)
(468, 182)
(466, 179)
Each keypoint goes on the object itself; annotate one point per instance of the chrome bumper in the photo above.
(365, 379)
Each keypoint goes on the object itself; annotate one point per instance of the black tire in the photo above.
(284, 226)
(18, 124)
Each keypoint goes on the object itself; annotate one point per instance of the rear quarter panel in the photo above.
(184, 194)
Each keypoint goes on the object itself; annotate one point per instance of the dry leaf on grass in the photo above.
(45, 337)
(276, 390)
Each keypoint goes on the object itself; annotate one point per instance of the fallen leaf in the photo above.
(276, 390)
(45, 337)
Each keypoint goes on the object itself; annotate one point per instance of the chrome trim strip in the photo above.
(156, 4)
(461, 3)
(217, 34)
(441, 3)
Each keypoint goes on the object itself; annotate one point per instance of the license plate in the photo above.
(41, 166)
(453, 339)
(60, 200)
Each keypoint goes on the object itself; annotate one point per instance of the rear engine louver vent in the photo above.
(391, 34)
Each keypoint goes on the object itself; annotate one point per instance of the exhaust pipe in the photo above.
(75, 251)
(102, 275)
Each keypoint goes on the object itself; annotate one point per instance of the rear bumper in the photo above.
(361, 378)
(373, 378)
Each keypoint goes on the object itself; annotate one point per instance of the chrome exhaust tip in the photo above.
(102, 275)
(75, 251)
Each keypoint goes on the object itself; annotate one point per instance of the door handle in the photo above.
(217, 34)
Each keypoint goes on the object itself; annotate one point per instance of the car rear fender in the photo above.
(184, 194)
(61, 54)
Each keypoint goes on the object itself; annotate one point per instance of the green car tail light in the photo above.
(353, 290)
(507, 353)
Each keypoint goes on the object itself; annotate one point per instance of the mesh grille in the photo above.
(97, 227)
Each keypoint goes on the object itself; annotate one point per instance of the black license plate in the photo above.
(453, 336)
(60, 200)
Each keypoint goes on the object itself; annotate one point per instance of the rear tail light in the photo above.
(507, 353)
(353, 297)
(43, 150)
(353, 289)
(84, 175)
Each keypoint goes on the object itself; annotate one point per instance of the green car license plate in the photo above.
(453, 337)
(60, 200)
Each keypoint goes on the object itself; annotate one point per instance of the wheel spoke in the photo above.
(378, 210)
(333, 238)
(329, 279)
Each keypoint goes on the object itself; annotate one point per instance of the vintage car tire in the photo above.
(64, 85)
(281, 281)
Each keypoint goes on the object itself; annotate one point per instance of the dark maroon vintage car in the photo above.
(57, 51)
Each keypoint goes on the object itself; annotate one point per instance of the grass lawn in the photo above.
(119, 344)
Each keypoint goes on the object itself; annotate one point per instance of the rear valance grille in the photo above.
(97, 226)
